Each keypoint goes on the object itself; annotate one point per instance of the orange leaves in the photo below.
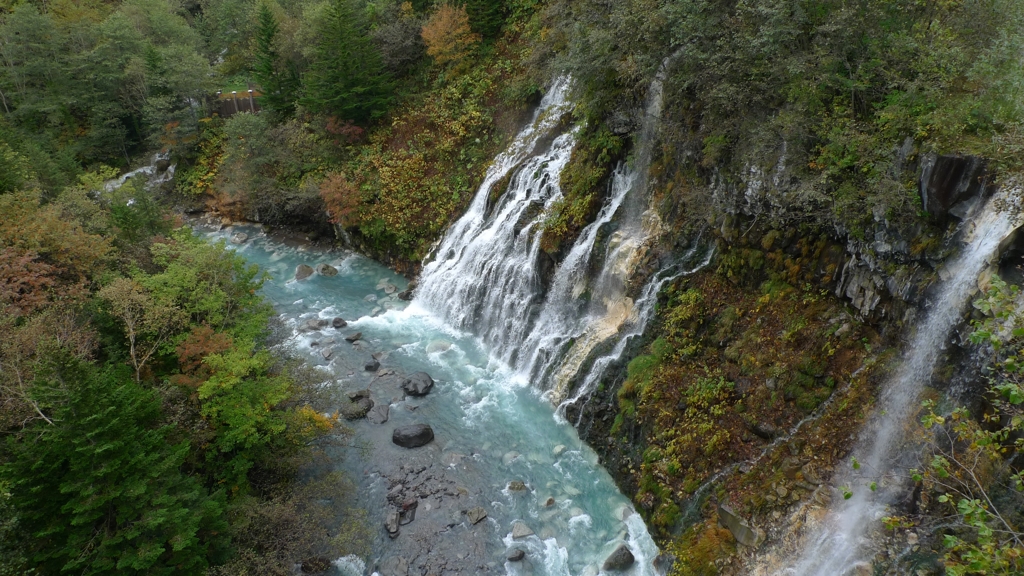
(342, 198)
(448, 35)
(200, 343)
(25, 283)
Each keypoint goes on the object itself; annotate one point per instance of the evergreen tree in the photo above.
(347, 77)
(486, 17)
(278, 79)
(100, 490)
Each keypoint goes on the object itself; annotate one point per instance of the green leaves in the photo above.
(101, 491)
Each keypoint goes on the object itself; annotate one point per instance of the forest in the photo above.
(150, 425)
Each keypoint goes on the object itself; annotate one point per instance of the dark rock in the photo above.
(378, 414)
(405, 295)
(338, 323)
(303, 271)
(413, 435)
(620, 559)
(549, 502)
(353, 337)
(951, 184)
(326, 270)
(315, 565)
(477, 514)
(516, 486)
(418, 384)
(239, 238)
(515, 555)
(764, 430)
(357, 409)
(327, 353)
(356, 395)
(391, 523)
(739, 527)
(371, 365)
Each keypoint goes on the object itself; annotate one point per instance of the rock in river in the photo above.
(353, 337)
(515, 555)
(412, 436)
(371, 365)
(239, 238)
(357, 409)
(326, 270)
(477, 514)
(619, 560)
(303, 271)
(520, 530)
(339, 323)
(378, 414)
(391, 523)
(418, 384)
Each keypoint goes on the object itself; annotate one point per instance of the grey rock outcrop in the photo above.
(476, 515)
(520, 530)
(303, 271)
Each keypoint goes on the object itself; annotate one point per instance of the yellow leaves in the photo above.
(447, 34)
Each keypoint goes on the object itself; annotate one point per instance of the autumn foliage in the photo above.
(448, 36)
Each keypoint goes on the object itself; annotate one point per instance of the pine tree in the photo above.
(486, 17)
(277, 79)
(100, 491)
(347, 77)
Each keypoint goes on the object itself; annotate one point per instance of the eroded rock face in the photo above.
(418, 384)
(619, 560)
(303, 271)
(413, 435)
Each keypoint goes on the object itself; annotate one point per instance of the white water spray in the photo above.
(839, 543)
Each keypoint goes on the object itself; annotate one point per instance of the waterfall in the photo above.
(488, 270)
(153, 172)
(837, 545)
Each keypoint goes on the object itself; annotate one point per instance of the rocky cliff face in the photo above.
(799, 318)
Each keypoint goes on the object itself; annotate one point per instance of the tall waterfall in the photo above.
(487, 275)
(837, 545)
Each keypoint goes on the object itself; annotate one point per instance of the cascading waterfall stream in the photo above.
(486, 275)
(838, 543)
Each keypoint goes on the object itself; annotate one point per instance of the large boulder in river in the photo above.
(619, 560)
(413, 435)
(357, 409)
(239, 238)
(326, 270)
(418, 384)
(303, 271)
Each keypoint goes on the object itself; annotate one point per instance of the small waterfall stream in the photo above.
(839, 543)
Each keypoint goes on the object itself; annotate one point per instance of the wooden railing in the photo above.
(230, 103)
